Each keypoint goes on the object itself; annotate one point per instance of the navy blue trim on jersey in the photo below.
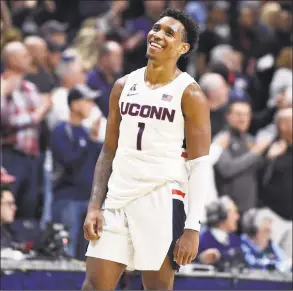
(179, 218)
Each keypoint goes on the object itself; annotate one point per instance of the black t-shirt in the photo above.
(207, 41)
(276, 192)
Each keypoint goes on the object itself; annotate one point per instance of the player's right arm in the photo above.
(94, 220)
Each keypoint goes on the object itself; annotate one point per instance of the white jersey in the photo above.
(151, 135)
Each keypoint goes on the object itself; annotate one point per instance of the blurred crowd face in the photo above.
(58, 38)
(263, 235)
(219, 95)
(247, 17)
(239, 116)
(231, 223)
(38, 51)
(219, 15)
(115, 59)
(284, 21)
(154, 8)
(8, 207)
(82, 108)
(18, 57)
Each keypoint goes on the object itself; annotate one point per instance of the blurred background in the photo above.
(59, 61)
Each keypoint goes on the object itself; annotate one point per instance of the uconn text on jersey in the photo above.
(147, 111)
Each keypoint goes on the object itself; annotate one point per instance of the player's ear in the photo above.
(184, 48)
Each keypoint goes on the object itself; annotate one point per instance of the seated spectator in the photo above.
(217, 92)
(218, 243)
(276, 182)
(107, 71)
(8, 210)
(75, 152)
(260, 251)
(237, 168)
(22, 111)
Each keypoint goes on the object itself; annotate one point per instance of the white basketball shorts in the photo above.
(141, 234)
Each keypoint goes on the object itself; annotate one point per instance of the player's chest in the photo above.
(157, 104)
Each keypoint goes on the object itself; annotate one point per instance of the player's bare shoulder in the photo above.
(118, 87)
(193, 100)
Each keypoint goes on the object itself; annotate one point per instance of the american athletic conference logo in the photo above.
(132, 90)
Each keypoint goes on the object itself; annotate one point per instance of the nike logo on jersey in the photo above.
(147, 111)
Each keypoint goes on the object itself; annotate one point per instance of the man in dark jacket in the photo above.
(276, 182)
(74, 151)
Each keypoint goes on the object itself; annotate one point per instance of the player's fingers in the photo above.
(99, 226)
(185, 258)
(180, 257)
(175, 252)
(190, 258)
(89, 232)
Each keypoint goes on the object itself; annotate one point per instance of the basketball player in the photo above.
(142, 177)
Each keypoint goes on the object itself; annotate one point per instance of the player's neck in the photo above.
(160, 73)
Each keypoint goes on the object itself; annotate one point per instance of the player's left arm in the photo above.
(198, 140)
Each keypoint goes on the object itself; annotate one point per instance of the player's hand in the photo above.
(186, 247)
(93, 224)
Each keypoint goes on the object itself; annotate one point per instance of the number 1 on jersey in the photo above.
(141, 127)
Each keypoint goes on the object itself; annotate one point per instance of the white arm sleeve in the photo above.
(199, 185)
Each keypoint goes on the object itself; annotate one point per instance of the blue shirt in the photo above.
(96, 80)
(74, 156)
(270, 257)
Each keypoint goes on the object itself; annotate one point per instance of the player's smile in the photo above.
(156, 45)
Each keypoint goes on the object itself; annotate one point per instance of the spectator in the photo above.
(107, 71)
(21, 113)
(8, 210)
(282, 77)
(87, 43)
(236, 169)
(111, 23)
(216, 90)
(260, 251)
(38, 74)
(218, 243)
(54, 32)
(138, 29)
(75, 152)
(276, 182)
(70, 73)
(207, 41)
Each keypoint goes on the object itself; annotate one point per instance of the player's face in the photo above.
(165, 40)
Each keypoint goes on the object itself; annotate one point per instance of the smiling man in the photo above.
(142, 176)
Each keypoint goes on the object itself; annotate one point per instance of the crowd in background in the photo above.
(59, 60)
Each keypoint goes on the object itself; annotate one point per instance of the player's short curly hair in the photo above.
(191, 27)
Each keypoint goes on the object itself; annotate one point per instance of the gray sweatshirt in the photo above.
(236, 172)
